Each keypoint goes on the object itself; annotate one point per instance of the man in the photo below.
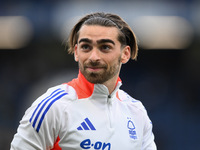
(90, 112)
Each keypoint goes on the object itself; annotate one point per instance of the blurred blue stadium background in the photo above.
(165, 77)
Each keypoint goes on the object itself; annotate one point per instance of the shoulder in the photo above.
(135, 107)
(55, 99)
(50, 106)
(59, 93)
(130, 101)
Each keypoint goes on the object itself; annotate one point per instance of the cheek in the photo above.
(114, 62)
(116, 59)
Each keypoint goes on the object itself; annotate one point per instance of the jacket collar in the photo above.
(85, 89)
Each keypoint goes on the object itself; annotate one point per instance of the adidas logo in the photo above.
(86, 125)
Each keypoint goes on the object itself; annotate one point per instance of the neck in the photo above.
(112, 83)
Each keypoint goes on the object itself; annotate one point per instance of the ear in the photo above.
(126, 54)
(75, 53)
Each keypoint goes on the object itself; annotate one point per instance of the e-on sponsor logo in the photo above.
(87, 144)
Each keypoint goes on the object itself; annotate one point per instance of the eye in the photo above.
(85, 47)
(105, 47)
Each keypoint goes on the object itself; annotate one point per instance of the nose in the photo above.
(94, 55)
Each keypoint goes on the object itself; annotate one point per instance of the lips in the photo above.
(95, 68)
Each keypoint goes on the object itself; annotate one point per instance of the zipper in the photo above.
(110, 106)
(110, 113)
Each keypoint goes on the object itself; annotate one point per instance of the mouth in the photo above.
(94, 69)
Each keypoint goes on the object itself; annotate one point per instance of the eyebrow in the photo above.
(101, 41)
(105, 41)
(85, 40)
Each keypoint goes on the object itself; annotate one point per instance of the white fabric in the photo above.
(113, 124)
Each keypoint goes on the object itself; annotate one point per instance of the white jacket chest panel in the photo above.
(98, 124)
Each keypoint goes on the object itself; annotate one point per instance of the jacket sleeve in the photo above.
(39, 126)
(148, 137)
(147, 134)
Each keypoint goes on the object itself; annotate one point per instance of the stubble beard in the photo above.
(99, 77)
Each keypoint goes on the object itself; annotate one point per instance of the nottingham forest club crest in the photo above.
(131, 129)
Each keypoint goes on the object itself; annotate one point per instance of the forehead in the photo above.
(96, 32)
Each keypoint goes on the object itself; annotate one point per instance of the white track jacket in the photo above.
(80, 115)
